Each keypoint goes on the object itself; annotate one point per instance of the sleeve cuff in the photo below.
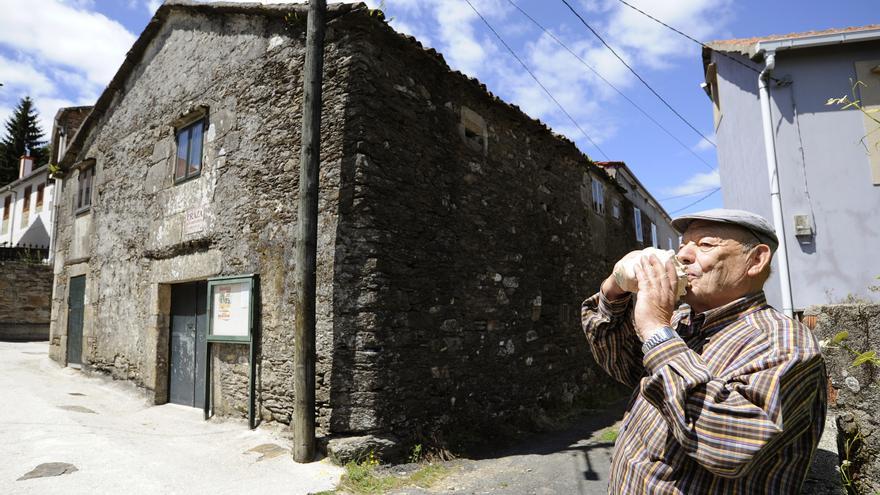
(657, 357)
(613, 308)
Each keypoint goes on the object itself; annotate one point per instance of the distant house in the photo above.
(827, 159)
(652, 225)
(26, 207)
(457, 236)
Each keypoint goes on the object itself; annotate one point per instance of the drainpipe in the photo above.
(53, 216)
(773, 174)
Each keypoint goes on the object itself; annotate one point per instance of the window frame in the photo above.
(180, 130)
(654, 240)
(640, 236)
(41, 193)
(86, 177)
(7, 206)
(26, 206)
(598, 190)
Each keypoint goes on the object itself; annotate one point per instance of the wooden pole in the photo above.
(307, 240)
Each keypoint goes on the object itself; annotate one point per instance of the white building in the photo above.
(27, 207)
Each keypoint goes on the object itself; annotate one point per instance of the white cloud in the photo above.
(697, 183)
(80, 4)
(703, 145)
(153, 5)
(64, 59)
(86, 41)
(653, 44)
(23, 76)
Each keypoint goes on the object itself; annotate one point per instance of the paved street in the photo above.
(120, 444)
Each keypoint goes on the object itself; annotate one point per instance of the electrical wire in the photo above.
(640, 78)
(695, 202)
(685, 195)
(606, 81)
(526, 67)
(649, 16)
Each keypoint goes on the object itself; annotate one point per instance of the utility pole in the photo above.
(307, 239)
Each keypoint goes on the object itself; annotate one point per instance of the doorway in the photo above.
(186, 381)
(75, 306)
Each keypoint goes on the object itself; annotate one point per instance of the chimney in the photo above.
(26, 167)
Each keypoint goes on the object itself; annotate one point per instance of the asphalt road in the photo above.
(118, 443)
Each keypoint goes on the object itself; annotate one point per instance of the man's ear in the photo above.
(759, 259)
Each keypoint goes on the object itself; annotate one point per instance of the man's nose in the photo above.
(686, 253)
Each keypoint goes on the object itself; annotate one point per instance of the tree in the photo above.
(23, 133)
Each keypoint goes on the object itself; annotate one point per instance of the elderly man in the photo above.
(729, 393)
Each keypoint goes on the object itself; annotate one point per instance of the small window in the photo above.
(189, 151)
(40, 191)
(638, 218)
(654, 236)
(84, 192)
(598, 196)
(25, 207)
(615, 209)
(670, 242)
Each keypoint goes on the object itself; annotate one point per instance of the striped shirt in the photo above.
(735, 404)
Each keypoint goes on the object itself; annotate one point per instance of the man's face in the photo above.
(716, 264)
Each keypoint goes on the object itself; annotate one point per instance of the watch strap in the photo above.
(659, 336)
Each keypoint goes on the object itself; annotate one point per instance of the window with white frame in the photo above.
(638, 218)
(654, 236)
(598, 196)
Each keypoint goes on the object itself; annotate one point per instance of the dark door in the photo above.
(186, 384)
(75, 304)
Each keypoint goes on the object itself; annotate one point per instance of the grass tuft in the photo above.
(609, 435)
(364, 478)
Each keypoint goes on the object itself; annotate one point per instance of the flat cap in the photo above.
(756, 224)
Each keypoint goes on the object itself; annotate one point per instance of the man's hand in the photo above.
(656, 300)
(611, 287)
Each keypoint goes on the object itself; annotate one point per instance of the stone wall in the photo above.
(25, 294)
(456, 235)
(471, 255)
(243, 72)
(854, 394)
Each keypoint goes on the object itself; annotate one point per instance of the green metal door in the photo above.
(186, 383)
(75, 305)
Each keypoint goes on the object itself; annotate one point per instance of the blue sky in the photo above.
(64, 52)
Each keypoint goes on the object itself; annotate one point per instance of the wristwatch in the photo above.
(659, 336)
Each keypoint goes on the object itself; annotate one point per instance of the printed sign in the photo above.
(194, 221)
(230, 309)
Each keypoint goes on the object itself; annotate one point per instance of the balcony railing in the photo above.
(30, 253)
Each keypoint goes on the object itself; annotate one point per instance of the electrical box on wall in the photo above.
(803, 226)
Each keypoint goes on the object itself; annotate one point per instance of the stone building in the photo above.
(457, 236)
(653, 226)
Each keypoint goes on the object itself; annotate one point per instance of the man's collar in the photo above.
(720, 315)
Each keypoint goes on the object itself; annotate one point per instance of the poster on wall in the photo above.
(230, 309)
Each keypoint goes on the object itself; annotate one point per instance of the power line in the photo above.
(649, 16)
(685, 195)
(606, 81)
(680, 116)
(695, 202)
(526, 67)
